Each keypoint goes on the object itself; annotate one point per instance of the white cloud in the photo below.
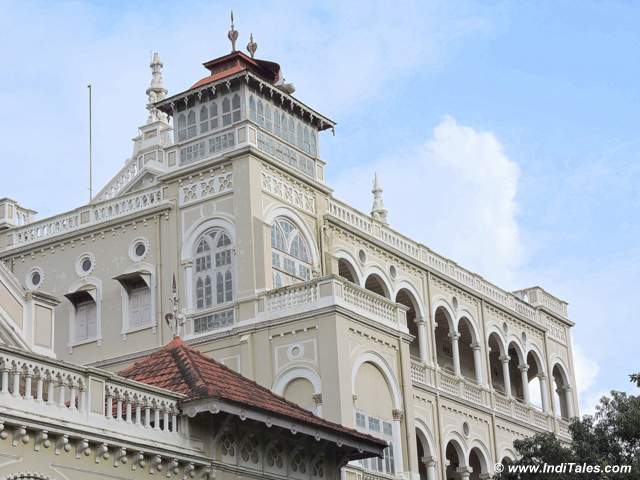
(586, 371)
(456, 193)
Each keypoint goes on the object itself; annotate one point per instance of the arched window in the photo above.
(235, 105)
(226, 112)
(252, 108)
(213, 113)
(191, 124)
(290, 254)
(213, 269)
(204, 119)
(182, 127)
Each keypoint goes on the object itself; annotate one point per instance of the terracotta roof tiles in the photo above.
(183, 369)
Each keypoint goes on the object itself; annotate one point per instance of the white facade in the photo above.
(295, 289)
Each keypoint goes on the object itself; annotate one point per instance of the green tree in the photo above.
(610, 437)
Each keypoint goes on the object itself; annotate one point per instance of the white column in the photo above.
(544, 393)
(422, 340)
(27, 386)
(464, 472)
(505, 374)
(525, 382)
(568, 398)
(5, 380)
(430, 465)
(397, 441)
(456, 353)
(477, 362)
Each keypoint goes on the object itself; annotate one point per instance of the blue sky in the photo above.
(505, 133)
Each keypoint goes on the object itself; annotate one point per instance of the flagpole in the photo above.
(90, 149)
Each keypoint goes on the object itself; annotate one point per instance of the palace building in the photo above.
(222, 229)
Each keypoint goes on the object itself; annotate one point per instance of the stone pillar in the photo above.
(464, 472)
(455, 336)
(525, 382)
(544, 392)
(477, 362)
(505, 374)
(430, 464)
(397, 441)
(422, 340)
(568, 398)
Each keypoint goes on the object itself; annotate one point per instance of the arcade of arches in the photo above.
(459, 351)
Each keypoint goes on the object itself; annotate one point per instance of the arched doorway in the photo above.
(347, 271)
(497, 371)
(562, 398)
(443, 333)
(375, 284)
(455, 460)
(415, 324)
(468, 348)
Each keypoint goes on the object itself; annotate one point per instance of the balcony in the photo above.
(443, 266)
(38, 390)
(331, 291)
(462, 388)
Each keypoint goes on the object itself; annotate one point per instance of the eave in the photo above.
(168, 105)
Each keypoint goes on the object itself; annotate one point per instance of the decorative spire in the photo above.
(156, 90)
(378, 212)
(252, 46)
(232, 35)
(175, 319)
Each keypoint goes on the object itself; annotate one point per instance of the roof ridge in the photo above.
(188, 367)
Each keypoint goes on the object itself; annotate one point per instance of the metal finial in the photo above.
(175, 318)
(232, 35)
(252, 46)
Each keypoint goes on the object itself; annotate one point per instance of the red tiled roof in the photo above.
(183, 369)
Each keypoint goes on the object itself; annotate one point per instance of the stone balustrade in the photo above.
(127, 174)
(331, 291)
(425, 375)
(442, 265)
(83, 217)
(41, 389)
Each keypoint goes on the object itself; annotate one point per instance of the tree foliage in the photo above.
(610, 437)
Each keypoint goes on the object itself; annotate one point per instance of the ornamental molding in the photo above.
(371, 338)
(459, 411)
(382, 254)
(555, 329)
(286, 189)
(205, 186)
(497, 317)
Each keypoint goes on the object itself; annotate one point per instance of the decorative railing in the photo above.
(32, 386)
(437, 263)
(84, 217)
(127, 174)
(331, 291)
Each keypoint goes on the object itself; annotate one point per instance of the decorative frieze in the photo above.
(555, 329)
(288, 190)
(207, 186)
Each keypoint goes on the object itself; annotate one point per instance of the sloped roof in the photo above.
(183, 369)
